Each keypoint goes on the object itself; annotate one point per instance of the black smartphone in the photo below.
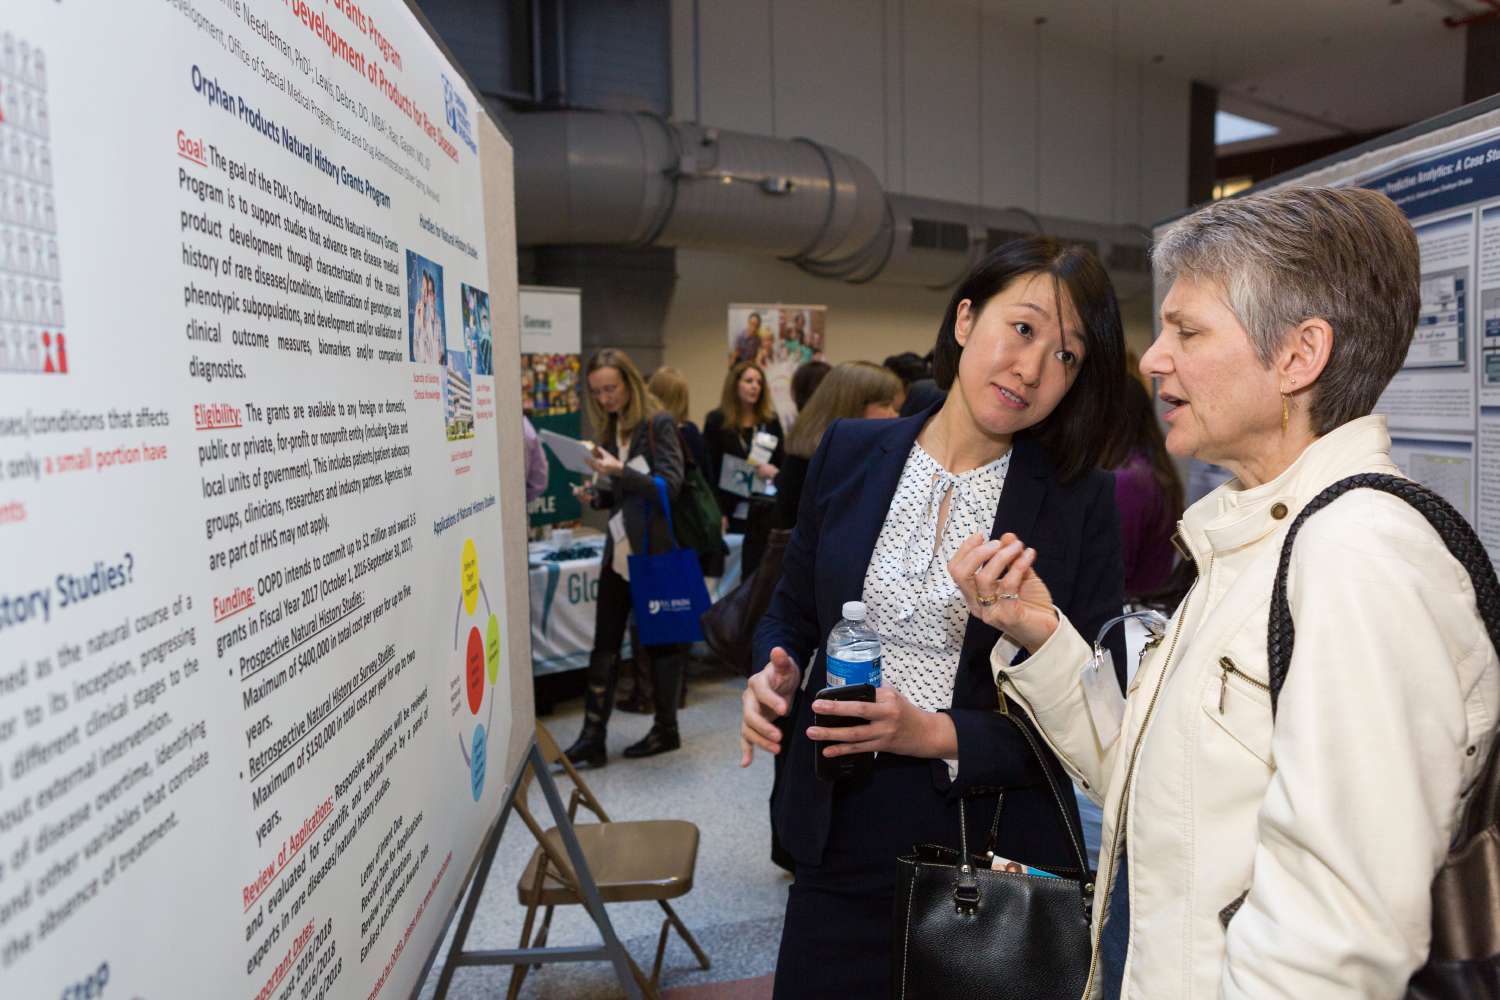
(849, 765)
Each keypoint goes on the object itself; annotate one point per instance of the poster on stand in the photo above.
(779, 338)
(551, 338)
(254, 652)
(1442, 406)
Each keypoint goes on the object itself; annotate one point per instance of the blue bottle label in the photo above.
(842, 672)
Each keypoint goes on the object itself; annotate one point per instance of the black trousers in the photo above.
(836, 942)
(611, 616)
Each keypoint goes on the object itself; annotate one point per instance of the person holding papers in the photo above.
(638, 443)
(745, 452)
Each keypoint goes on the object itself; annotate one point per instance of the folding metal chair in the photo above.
(630, 861)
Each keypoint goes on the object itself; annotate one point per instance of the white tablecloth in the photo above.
(563, 596)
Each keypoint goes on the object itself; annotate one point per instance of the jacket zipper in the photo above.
(1229, 668)
(1114, 847)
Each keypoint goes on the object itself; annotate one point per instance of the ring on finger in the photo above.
(987, 601)
(1010, 597)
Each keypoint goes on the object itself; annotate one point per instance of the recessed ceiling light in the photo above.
(1234, 128)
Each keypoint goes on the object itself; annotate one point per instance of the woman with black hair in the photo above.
(1032, 353)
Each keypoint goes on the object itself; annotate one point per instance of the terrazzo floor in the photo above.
(735, 907)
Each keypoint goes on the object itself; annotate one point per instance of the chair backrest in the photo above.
(552, 754)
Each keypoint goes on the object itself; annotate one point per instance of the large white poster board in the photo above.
(253, 638)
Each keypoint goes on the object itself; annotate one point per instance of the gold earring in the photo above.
(1283, 412)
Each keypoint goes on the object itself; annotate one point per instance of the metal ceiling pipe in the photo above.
(636, 180)
(586, 177)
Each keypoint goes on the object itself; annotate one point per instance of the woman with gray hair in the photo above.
(1246, 854)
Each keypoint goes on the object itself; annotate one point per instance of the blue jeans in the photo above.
(1114, 939)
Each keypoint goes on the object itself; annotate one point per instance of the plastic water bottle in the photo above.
(853, 650)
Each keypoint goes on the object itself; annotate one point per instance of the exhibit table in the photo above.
(563, 595)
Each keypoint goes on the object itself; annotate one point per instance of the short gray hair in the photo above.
(1344, 255)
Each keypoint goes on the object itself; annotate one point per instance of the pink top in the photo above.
(536, 462)
(1145, 526)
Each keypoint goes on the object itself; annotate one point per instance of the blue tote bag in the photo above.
(667, 591)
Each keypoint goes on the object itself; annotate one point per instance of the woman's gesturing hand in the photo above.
(766, 699)
(891, 723)
(1002, 590)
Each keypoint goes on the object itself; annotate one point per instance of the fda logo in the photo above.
(456, 111)
(676, 605)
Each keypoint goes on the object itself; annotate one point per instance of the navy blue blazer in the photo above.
(1075, 529)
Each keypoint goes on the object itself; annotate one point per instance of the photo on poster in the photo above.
(31, 312)
(458, 397)
(1442, 463)
(801, 336)
(476, 306)
(780, 339)
(1436, 389)
(426, 328)
(1441, 339)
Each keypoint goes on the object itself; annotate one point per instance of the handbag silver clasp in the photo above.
(966, 893)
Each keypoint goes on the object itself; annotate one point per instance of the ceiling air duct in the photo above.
(637, 179)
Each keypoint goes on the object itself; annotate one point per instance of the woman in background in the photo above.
(670, 388)
(635, 434)
(744, 410)
(1149, 493)
(855, 389)
(805, 381)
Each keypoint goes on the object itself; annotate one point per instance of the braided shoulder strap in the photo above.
(1450, 525)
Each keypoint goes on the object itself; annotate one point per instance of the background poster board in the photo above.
(551, 392)
(780, 339)
(1444, 406)
(259, 660)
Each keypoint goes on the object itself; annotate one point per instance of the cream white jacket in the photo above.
(1336, 818)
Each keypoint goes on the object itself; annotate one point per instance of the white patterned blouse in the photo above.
(912, 602)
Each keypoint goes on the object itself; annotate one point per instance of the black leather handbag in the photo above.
(1464, 961)
(966, 932)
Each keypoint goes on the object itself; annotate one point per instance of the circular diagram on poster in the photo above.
(473, 668)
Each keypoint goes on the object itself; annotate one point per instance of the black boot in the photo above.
(639, 701)
(666, 673)
(603, 673)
